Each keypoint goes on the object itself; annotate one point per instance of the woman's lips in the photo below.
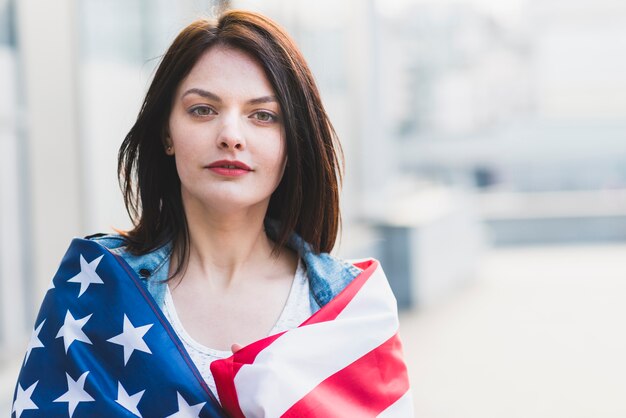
(229, 168)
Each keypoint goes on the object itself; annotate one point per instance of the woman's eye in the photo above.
(201, 111)
(264, 117)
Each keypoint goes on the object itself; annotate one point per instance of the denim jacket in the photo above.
(328, 275)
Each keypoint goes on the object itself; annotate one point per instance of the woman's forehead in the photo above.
(227, 71)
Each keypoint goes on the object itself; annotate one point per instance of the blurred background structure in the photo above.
(485, 146)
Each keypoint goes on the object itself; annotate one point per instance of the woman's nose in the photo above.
(231, 135)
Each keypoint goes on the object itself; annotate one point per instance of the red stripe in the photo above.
(224, 372)
(365, 388)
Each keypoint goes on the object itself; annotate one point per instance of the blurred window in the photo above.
(14, 296)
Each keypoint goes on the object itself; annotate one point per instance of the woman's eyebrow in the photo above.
(203, 93)
(212, 96)
(264, 99)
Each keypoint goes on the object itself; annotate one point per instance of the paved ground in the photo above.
(540, 333)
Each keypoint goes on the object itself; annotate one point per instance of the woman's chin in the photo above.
(236, 207)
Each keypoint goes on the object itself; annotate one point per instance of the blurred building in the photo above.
(535, 98)
(529, 111)
(13, 179)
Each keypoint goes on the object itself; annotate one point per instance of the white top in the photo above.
(296, 310)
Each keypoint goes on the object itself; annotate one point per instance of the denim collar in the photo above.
(328, 275)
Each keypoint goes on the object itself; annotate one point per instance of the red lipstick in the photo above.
(229, 168)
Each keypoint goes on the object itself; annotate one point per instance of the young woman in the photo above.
(223, 299)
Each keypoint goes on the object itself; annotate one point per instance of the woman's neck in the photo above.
(224, 247)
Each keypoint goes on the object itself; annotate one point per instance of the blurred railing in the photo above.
(555, 217)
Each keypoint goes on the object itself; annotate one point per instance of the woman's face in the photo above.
(226, 133)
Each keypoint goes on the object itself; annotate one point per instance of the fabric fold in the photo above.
(345, 360)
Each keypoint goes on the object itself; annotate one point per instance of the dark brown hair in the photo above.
(307, 199)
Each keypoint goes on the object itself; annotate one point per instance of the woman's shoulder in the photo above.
(151, 267)
(118, 244)
(110, 241)
(328, 275)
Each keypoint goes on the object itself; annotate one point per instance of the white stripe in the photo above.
(303, 357)
(402, 408)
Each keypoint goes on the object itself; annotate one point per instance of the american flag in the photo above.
(102, 348)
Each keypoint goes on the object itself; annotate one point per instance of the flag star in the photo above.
(87, 274)
(34, 342)
(185, 410)
(132, 339)
(23, 399)
(128, 402)
(75, 393)
(72, 330)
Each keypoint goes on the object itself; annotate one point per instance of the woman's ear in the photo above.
(169, 148)
(168, 144)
